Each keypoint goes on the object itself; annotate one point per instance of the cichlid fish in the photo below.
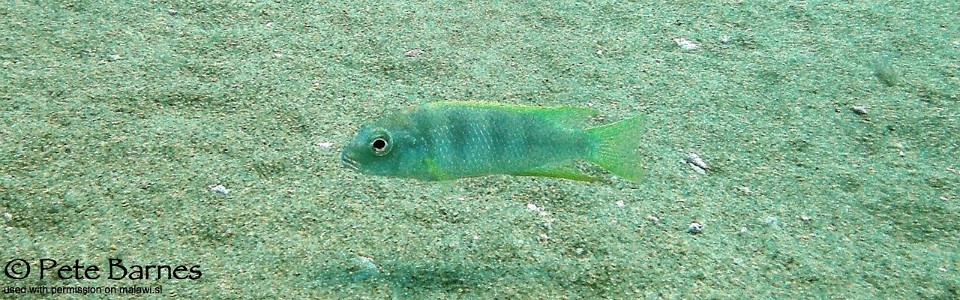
(450, 140)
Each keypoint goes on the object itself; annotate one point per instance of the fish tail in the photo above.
(616, 148)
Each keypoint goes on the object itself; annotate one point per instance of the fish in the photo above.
(450, 140)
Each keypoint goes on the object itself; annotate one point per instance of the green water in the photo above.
(116, 121)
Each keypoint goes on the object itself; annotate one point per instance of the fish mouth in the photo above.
(347, 162)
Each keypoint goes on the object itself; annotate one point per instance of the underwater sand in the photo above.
(831, 131)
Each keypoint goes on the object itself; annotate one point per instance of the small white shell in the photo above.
(696, 163)
(697, 169)
(686, 44)
(694, 159)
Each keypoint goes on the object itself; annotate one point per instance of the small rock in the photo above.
(653, 218)
(413, 52)
(859, 109)
(7, 216)
(770, 221)
(533, 207)
(695, 227)
(543, 238)
(219, 189)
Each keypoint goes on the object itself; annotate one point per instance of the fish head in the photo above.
(369, 151)
(381, 149)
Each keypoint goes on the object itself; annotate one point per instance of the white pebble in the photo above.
(219, 189)
(860, 109)
(413, 52)
(770, 221)
(533, 207)
(695, 227)
(620, 203)
(7, 216)
(324, 145)
(686, 44)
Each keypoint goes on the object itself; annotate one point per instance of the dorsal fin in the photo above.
(568, 116)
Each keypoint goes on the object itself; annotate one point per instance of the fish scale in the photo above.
(458, 155)
(471, 149)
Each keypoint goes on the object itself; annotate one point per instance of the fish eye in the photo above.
(379, 144)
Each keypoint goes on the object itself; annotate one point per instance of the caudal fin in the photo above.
(617, 149)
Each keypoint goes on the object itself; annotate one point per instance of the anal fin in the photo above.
(566, 171)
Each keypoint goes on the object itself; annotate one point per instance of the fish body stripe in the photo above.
(468, 142)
